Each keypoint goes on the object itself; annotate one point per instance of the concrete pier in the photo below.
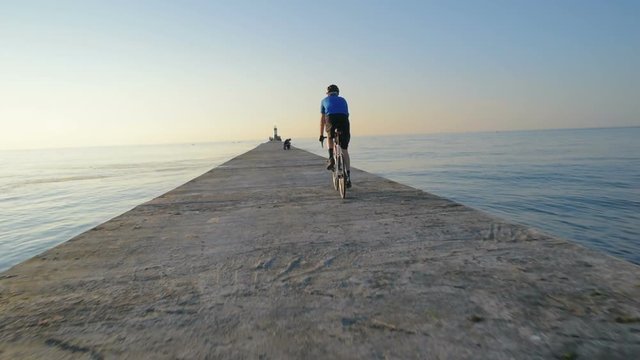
(260, 258)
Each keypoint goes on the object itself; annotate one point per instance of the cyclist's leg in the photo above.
(347, 162)
(345, 138)
(328, 129)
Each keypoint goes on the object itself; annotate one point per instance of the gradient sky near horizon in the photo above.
(86, 72)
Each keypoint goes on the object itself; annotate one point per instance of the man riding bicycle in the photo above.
(335, 117)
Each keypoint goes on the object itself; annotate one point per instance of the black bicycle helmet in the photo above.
(333, 88)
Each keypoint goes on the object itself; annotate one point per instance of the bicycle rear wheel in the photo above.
(342, 177)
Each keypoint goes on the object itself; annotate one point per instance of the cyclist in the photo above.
(335, 116)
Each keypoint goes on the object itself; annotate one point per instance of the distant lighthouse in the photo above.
(275, 137)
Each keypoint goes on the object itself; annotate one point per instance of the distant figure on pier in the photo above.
(335, 116)
(287, 144)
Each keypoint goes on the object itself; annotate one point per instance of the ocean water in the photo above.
(578, 184)
(582, 185)
(49, 196)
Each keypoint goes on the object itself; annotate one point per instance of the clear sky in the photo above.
(87, 72)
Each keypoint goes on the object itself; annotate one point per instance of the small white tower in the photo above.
(275, 134)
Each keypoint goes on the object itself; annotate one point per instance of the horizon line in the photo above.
(363, 136)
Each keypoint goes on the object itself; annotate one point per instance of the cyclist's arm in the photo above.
(322, 121)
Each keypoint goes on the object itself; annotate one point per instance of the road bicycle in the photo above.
(339, 172)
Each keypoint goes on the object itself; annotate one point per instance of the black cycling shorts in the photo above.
(339, 122)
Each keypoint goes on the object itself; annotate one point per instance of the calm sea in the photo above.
(583, 185)
(49, 196)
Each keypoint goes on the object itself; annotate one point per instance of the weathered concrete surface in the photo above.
(260, 258)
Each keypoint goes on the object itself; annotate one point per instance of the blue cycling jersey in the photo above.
(334, 104)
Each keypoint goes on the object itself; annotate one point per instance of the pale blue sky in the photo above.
(78, 73)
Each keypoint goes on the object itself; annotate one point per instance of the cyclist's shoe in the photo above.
(331, 165)
(348, 182)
